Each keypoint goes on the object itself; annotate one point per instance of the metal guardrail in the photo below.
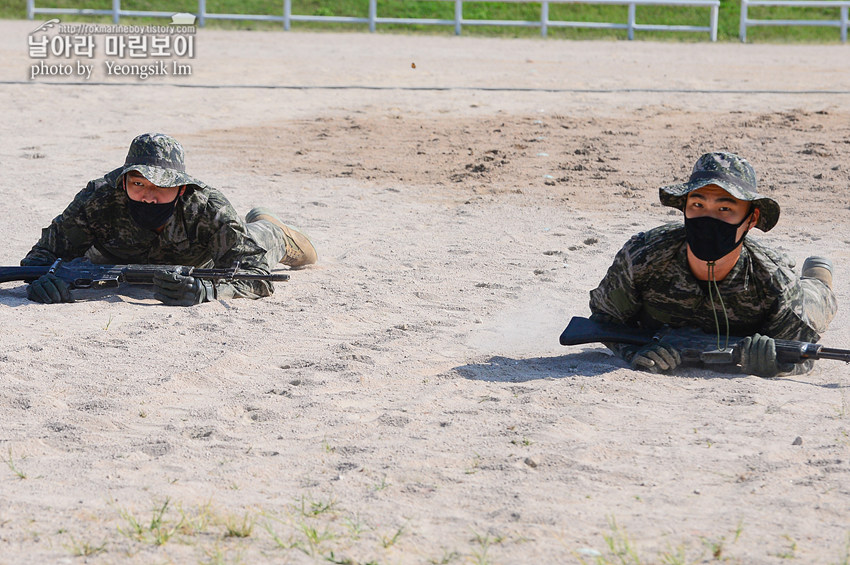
(841, 23)
(287, 17)
(116, 12)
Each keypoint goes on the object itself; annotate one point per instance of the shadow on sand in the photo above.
(594, 363)
(16, 296)
(589, 363)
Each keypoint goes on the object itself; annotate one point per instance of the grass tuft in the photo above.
(158, 532)
(236, 529)
(11, 464)
(86, 549)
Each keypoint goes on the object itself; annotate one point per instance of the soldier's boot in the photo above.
(818, 268)
(299, 249)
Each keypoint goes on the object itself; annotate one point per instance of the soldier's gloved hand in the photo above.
(180, 290)
(758, 357)
(49, 289)
(656, 357)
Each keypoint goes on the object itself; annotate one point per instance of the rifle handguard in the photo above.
(84, 274)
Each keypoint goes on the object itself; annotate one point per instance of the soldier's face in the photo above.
(141, 189)
(716, 203)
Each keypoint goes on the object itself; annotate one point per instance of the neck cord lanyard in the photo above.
(712, 282)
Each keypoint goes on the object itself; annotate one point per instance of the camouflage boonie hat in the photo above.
(731, 173)
(158, 158)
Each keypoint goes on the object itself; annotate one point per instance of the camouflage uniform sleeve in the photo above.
(617, 300)
(799, 368)
(784, 323)
(801, 312)
(795, 308)
(68, 236)
(229, 243)
(232, 245)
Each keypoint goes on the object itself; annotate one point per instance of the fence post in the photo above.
(844, 11)
(458, 15)
(742, 28)
(287, 13)
(116, 9)
(373, 13)
(631, 21)
(714, 10)
(544, 18)
(202, 12)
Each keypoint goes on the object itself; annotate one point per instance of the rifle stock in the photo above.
(581, 330)
(693, 344)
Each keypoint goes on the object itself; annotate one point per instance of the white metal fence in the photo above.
(544, 23)
(840, 5)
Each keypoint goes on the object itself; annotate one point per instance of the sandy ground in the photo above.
(406, 400)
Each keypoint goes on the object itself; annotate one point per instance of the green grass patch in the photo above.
(443, 10)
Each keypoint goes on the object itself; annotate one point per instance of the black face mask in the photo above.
(151, 216)
(710, 238)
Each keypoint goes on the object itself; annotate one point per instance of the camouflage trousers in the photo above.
(275, 241)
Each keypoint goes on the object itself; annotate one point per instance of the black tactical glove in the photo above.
(180, 290)
(656, 357)
(49, 289)
(758, 357)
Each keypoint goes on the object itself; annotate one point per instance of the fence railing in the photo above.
(544, 23)
(841, 23)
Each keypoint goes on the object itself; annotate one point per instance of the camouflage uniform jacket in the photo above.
(204, 231)
(650, 284)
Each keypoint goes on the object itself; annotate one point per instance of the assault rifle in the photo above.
(693, 345)
(84, 274)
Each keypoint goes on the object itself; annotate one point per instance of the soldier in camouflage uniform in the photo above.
(705, 272)
(149, 211)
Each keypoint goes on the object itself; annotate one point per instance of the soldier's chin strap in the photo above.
(712, 282)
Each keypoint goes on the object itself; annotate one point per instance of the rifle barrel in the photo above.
(834, 353)
(239, 276)
(275, 277)
(30, 273)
